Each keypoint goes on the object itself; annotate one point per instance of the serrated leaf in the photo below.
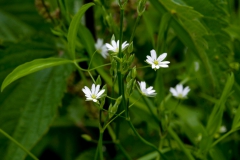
(30, 107)
(31, 67)
(74, 27)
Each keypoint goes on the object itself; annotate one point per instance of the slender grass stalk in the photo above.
(18, 144)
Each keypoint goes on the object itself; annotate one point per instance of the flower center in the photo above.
(180, 95)
(155, 62)
(93, 96)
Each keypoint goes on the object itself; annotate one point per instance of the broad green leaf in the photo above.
(30, 108)
(74, 27)
(12, 29)
(31, 67)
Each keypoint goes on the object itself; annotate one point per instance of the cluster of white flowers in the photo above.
(156, 62)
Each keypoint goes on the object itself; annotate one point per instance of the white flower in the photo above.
(149, 92)
(157, 62)
(93, 94)
(114, 46)
(101, 48)
(180, 92)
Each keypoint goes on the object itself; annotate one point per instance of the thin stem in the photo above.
(221, 138)
(143, 67)
(91, 77)
(91, 59)
(151, 111)
(180, 143)
(123, 151)
(100, 66)
(18, 144)
(113, 119)
(119, 115)
(100, 145)
(111, 98)
(134, 28)
(143, 140)
(80, 72)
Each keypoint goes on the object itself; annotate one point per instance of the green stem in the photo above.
(151, 111)
(100, 145)
(143, 140)
(18, 144)
(123, 151)
(134, 28)
(91, 59)
(144, 67)
(81, 73)
(180, 143)
(221, 138)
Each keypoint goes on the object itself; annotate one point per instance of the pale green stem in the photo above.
(221, 138)
(143, 140)
(18, 144)
(180, 143)
(91, 59)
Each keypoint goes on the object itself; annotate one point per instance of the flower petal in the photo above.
(185, 91)
(162, 57)
(153, 54)
(173, 91)
(93, 88)
(179, 88)
(100, 93)
(97, 89)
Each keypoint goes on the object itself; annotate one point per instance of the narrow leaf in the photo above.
(31, 67)
(73, 29)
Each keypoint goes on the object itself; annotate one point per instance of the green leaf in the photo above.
(31, 67)
(186, 24)
(12, 29)
(215, 118)
(236, 120)
(30, 107)
(74, 27)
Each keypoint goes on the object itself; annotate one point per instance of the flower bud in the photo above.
(113, 38)
(130, 48)
(113, 108)
(141, 7)
(134, 72)
(86, 137)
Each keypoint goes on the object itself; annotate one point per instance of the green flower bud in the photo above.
(86, 137)
(129, 76)
(113, 38)
(130, 48)
(141, 7)
(113, 108)
(134, 72)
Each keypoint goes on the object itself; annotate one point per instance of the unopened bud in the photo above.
(141, 7)
(130, 48)
(86, 137)
(134, 72)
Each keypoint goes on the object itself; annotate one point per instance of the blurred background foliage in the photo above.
(47, 113)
